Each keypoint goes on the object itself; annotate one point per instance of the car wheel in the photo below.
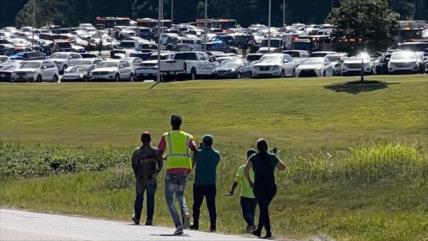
(131, 77)
(39, 78)
(117, 78)
(193, 74)
(55, 78)
(283, 73)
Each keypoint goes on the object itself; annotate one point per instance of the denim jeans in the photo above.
(174, 186)
(248, 206)
(209, 192)
(150, 189)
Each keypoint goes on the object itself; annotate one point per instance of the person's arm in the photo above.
(161, 146)
(232, 191)
(247, 173)
(135, 162)
(280, 165)
(159, 161)
(192, 145)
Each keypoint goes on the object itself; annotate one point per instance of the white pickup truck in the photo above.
(190, 63)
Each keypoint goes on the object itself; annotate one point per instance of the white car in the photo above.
(113, 70)
(62, 59)
(315, 67)
(337, 61)
(277, 64)
(148, 69)
(352, 66)
(37, 70)
(405, 61)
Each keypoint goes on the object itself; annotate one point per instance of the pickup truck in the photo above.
(192, 64)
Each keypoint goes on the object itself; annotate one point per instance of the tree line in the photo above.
(73, 12)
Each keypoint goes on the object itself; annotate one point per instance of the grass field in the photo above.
(356, 155)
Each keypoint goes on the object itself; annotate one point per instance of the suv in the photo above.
(62, 59)
(37, 70)
(113, 70)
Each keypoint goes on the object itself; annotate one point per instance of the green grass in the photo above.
(357, 165)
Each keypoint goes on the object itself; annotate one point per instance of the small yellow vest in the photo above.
(177, 150)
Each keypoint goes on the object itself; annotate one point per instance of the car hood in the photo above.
(225, 68)
(74, 74)
(26, 70)
(310, 66)
(58, 60)
(267, 64)
(111, 69)
(402, 61)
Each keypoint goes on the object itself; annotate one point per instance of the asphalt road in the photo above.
(29, 226)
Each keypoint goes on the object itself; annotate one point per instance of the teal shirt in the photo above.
(206, 160)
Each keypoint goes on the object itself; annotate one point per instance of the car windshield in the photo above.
(155, 57)
(82, 62)
(270, 59)
(274, 43)
(59, 56)
(108, 64)
(231, 63)
(333, 58)
(31, 65)
(403, 55)
(313, 61)
(78, 69)
(185, 56)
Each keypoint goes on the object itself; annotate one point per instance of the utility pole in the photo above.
(34, 24)
(205, 25)
(172, 11)
(269, 23)
(283, 13)
(332, 5)
(160, 31)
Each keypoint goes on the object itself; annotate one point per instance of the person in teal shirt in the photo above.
(248, 201)
(206, 159)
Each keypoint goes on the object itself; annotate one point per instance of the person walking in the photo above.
(248, 201)
(264, 186)
(146, 164)
(206, 159)
(175, 147)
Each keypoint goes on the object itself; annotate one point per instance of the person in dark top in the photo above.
(206, 159)
(146, 163)
(263, 163)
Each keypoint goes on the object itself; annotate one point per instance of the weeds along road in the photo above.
(29, 226)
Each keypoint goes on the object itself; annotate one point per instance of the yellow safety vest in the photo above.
(177, 150)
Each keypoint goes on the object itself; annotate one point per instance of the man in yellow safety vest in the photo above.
(175, 147)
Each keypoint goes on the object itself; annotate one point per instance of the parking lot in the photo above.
(122, 49)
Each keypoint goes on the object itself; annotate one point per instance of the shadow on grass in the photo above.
(356, 87)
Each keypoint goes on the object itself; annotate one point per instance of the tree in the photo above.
(363, 25)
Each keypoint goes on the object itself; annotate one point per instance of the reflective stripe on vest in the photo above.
(177, 146)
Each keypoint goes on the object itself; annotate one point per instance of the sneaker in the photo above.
(136, 222)
(251, 228)
(179, 231)
(186, 220)
(194, 227)
(149, 223)
(213, 230)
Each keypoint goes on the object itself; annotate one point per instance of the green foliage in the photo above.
(369, 23)
(19, 160)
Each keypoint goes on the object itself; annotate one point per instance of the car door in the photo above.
(288, 65)
(53, 70)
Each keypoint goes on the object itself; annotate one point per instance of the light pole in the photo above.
(269, 23)
(283, 13)
(205, 25)
(332, 4)
(34, 24)
(172, 11)
(160, 18)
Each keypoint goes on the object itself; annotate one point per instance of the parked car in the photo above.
(382, 64)
(36, 70)
(195, 64)
(229, 68)
(315, 67)
(321, 53)
(275, 64)
(3, 58)
(337, 61)
(33, 55)
(78, 73)
(405, 61)
(352, 66)
(7, 69)
(113, 70)
(62, 59)
(148, 69)
(297, 53)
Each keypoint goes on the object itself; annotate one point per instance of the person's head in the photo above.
(208, 140)
(262, 145)
(251, 152)
(146, 137)
(176, 122)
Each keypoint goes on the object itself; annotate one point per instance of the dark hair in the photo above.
(176, 120)
(250, 152)
(262, 145)
(146, 137)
